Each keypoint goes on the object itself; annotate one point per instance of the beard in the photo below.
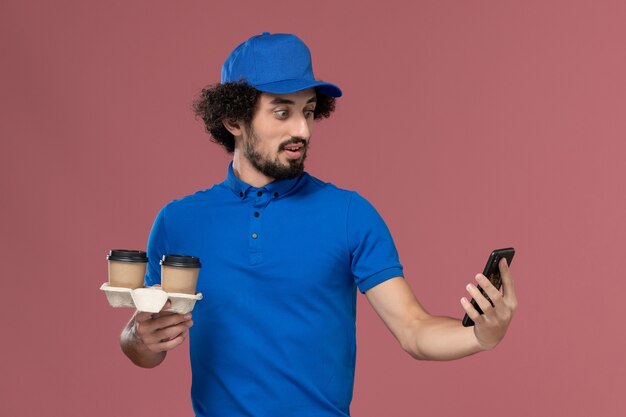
(274, 168)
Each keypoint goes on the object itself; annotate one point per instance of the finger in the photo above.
(168, 345)
(163, 311)
(169, 320)
(508, 289)
(494, 294)
(147, 329)
(483, 303)
(470, 310)
(142, 316)
(167, 334)
(155, 321)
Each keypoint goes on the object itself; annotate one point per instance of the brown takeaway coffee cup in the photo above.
(127, 268)
(179, 273)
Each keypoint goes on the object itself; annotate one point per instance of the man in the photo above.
(282, 256)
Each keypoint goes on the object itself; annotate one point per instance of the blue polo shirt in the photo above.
(274, 334)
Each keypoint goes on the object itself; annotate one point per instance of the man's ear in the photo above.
(233, 126)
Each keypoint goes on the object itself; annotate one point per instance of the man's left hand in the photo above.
(491, 326)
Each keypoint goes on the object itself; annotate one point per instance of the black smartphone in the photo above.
(492, 272)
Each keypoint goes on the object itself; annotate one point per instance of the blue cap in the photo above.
(278, 64)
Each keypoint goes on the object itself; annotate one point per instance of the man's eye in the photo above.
(309, 113)
(281, 113)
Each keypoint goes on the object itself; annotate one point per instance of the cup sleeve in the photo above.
(373, 255)
(157, 247)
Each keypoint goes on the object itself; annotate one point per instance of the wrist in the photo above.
(134, 338)
(130, 340)
(483, 344)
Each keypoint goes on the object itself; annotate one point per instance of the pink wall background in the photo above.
(469, 125)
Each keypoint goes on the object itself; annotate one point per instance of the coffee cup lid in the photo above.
(127, 255)
(181, 261)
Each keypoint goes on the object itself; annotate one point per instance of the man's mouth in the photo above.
(294, 150)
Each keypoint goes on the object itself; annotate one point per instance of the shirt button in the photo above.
(275, 195)
(254, 235)
(260, 193)
(256, 214)
(240, 193)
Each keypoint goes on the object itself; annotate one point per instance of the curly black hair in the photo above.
(237, 101)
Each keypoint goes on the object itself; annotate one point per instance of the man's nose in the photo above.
(300, 128)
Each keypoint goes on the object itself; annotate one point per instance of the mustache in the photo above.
(294, 141)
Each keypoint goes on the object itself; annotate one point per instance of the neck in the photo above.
(247, 173)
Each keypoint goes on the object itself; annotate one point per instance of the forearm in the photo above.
(136, 350)
(440, 339)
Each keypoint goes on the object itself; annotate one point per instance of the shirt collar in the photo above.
(277, 188)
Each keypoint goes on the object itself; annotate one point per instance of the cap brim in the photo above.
(293, 86)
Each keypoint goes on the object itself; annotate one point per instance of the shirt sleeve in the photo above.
(374, 258)
(157, 247)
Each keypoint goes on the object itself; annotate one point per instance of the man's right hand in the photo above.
(162, 331)
(147, 337)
